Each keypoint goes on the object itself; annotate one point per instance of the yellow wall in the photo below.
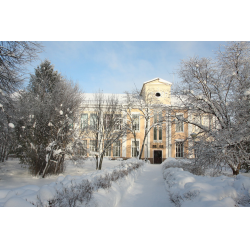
(148, 93)
(150, 89)
(139, 135)
(179, 135)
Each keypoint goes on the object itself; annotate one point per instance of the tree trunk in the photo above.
(237, 171)
(144, 139)
(96, 161)
(47, 164)
(100, 163)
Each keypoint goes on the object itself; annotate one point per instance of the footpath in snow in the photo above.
(148, 190)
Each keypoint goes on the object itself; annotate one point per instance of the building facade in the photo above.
(167, 139)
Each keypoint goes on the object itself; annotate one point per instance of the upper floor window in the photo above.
(106, 120)
(158, 117)
(112, 121)
(136, 122)
(118, 122)
(179, 123)
(93, 120)
(158, 133)
(84, 121)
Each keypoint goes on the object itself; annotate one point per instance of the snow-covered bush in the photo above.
(186, 189)
(79, 192)
(185, 164)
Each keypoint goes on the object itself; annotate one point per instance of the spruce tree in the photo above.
(47, 110)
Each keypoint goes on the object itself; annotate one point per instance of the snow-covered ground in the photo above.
(147, 186)
(189, 190)
(14, 175)
(148, 190)
(19, 188)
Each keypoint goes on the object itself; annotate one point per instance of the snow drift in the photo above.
(189, 190)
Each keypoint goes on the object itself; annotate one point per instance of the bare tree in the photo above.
(14, 57)
(150, 111)
(217, 93)
(105, 127)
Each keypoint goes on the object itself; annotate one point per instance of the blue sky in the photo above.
(115, 67)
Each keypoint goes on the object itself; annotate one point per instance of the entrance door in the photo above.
(157, 156)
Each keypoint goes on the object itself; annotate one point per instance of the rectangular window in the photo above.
(92, 145)
(135, 148)
(179, 149)
(160, 133)
(179, 123)
(155, 133)
(84, 121)
(106, 121)
(158, 117)
(136, 123)
(108, 152)
(93, 120)
(155, 117)
(118, 122)
(116, 149)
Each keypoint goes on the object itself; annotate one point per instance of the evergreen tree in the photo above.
(48, 108)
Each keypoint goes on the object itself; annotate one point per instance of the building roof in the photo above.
(90, 97)
(160, 80)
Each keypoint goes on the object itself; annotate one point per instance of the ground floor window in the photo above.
(117, 149)
(92, 145)
(108, 152)
(81, 148)
(135, 148)
(179, 149)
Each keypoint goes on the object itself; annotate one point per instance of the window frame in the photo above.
(82, 120)
(179, 125)
(136, 114)
(92, 145)
(108, 151)
(117, 148)
(134, 147)
(118, 126)
(179, 149)
(93, 122)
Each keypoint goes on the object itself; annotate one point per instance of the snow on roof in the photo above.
(160, 80)
(90, 97)
(175, 101)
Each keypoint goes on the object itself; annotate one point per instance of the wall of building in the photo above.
(169, 134)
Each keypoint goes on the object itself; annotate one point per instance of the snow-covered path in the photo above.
(148, 190)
